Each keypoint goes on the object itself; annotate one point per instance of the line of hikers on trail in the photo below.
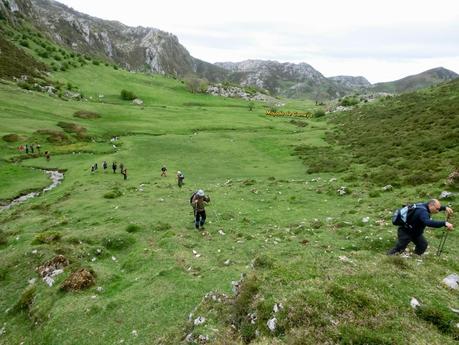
(123, 169)
(411, 219)
(30, 149)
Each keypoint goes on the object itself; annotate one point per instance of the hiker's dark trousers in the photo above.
(200, 218)
(404, 238)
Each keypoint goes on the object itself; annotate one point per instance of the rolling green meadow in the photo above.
(276, 221)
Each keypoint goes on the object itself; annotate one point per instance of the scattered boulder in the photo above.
(72, 95)
(452, 281)
(79, 280)
(52, 268)
(277, 307)
(387, 188)
(453, 178)
(414, 303)
(272, 324)
(446, 195)
(199, 320)
(342, 190)
(137, 101)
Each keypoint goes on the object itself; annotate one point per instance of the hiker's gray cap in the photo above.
(200, 192)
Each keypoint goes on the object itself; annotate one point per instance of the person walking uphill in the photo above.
(180, 178)
(198, 201)
(417, 221)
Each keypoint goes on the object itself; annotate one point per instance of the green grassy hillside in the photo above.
(273, 217)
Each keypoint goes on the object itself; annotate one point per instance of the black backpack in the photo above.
(192, 196)
(403, 215)
(206, 197)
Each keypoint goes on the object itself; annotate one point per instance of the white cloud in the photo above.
(382, 40)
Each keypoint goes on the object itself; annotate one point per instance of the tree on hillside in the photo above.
(196, 85)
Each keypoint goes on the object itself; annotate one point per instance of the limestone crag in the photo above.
(350, 82)
(134, 48)
(237, 92)
(287, 79)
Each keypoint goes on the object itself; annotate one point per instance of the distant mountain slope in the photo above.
(156, 51)
(417, 81)
(409, 139)
(135, 48)
(15, 63)
(354, 83)
(286, 79)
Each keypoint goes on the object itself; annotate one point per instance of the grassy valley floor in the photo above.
(296, 240)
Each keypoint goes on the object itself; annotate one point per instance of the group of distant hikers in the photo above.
(123, 169)
(31, 148)
(411, 219)
(198, 199)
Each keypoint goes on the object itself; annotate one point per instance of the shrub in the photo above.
(263, 261)
(242, 307)
(162, 226)
(95, 62)
(24, 43)
(26, 299)
(47, 237)
(10, 138)
(3, 238)
(117, 242)
(43, 53)
(319, 113)
(348, 101)
(127, 95)
(85, 114)
(316, 224)
(441, 318)
(133, 228)
(273, 107)
(374, 194)
(251, 105)
(195, 85)
(113, 194)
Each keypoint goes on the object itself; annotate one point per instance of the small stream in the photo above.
(56, 178)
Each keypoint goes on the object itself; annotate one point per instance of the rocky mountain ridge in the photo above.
(156, 51)
(134, 48)
(351, 82)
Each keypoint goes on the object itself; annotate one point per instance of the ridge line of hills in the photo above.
(152, 50)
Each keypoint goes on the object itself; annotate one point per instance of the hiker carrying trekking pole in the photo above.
(412, 220)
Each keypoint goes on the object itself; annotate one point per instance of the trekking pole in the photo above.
(442, 242)
(444, 236)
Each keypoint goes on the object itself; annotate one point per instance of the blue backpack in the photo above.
(403, 216)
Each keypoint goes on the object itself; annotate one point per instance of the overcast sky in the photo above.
(380, 40)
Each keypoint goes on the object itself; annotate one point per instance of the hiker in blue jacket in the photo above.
(418, 222)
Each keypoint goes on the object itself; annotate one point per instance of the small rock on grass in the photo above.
(414, 303)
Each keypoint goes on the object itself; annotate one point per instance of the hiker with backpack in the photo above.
(412, 220)
(180, 178)
(198, 201)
